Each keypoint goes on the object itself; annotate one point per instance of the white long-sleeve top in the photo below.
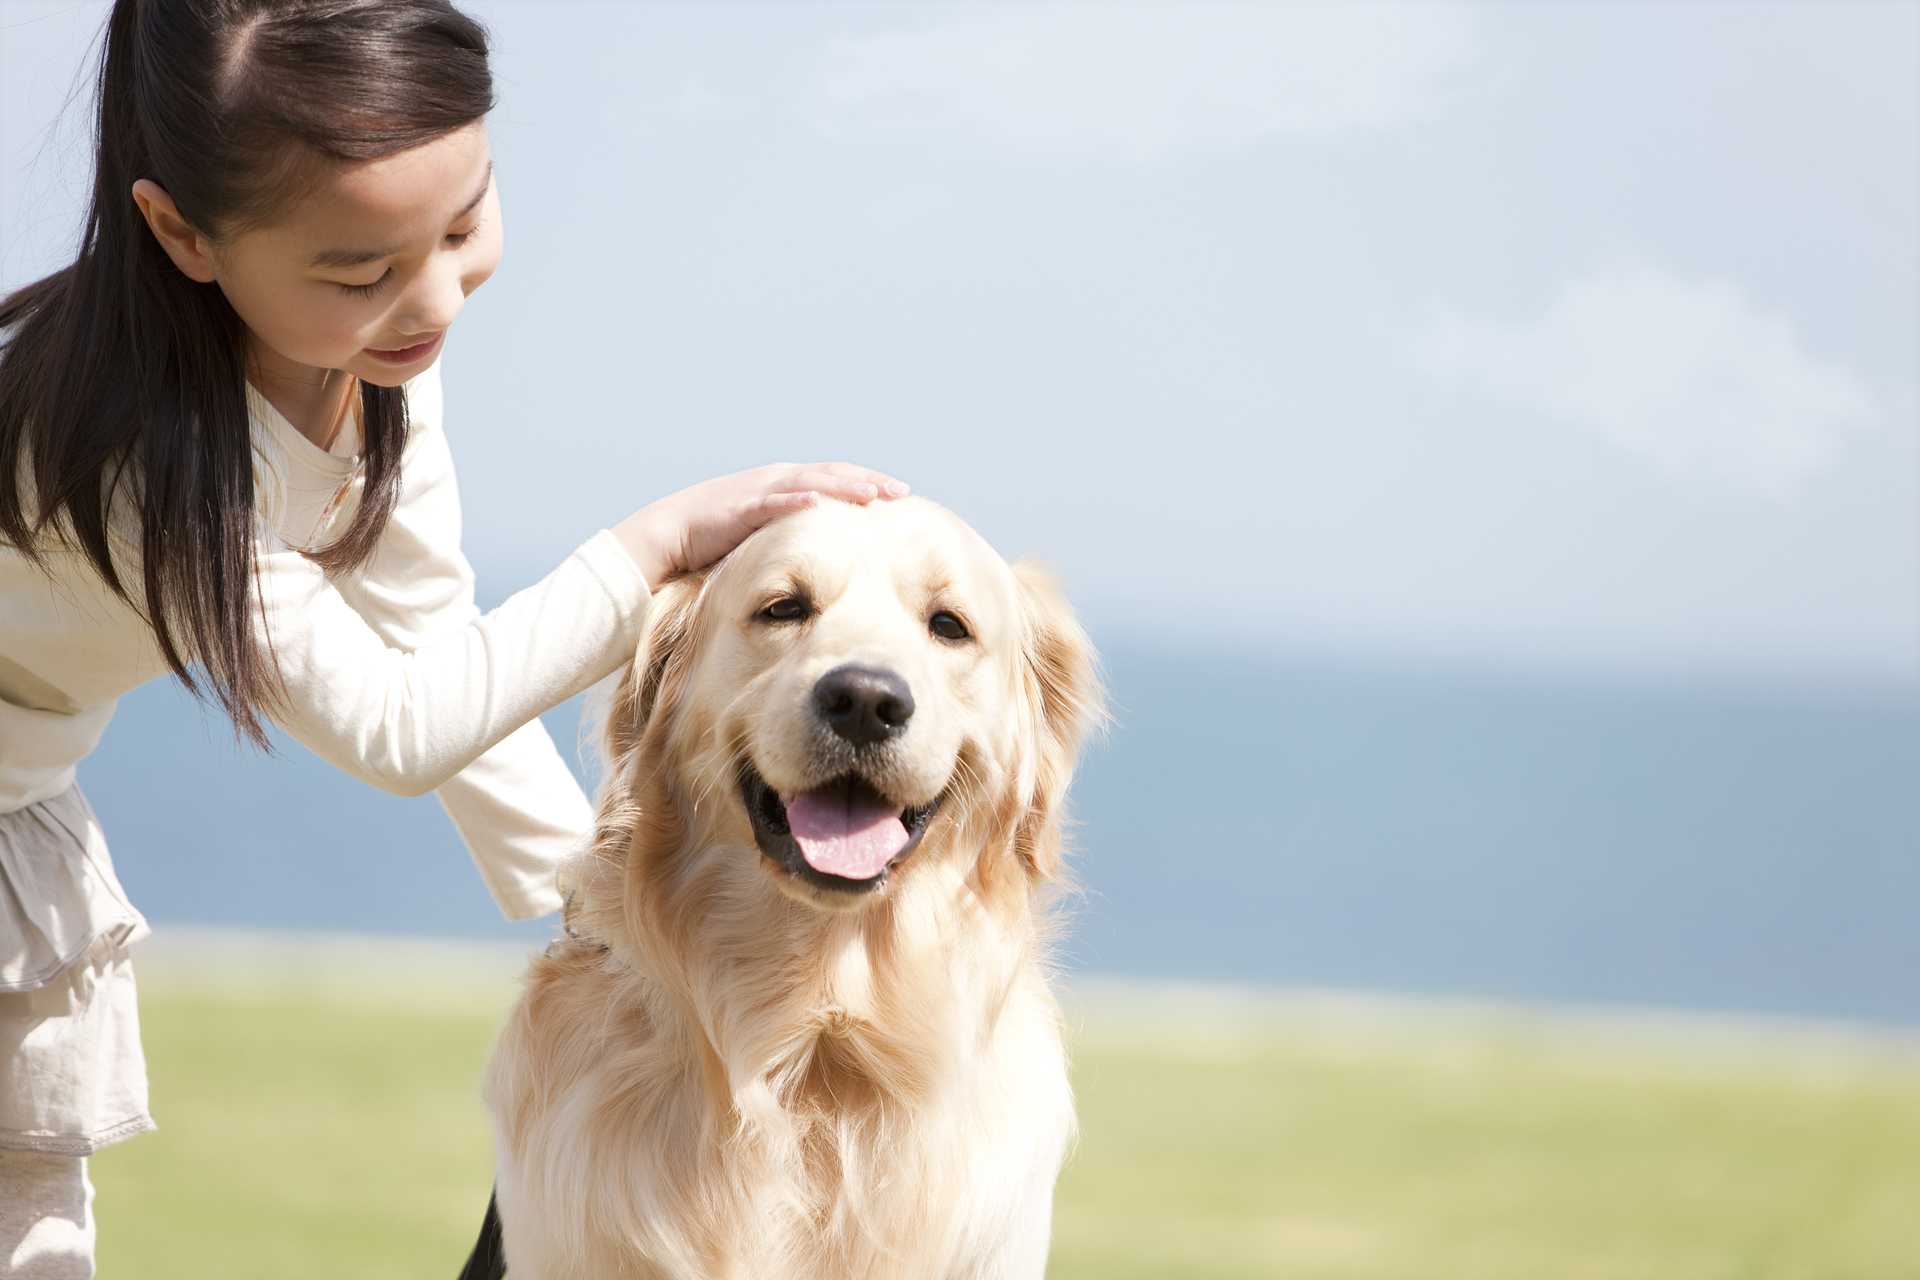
(392, 672)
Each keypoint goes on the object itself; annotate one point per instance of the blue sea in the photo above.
(1266, 817)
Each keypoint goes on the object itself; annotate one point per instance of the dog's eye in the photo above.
(786, 609)
(947, 627)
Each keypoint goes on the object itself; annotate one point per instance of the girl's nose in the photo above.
(438, 295)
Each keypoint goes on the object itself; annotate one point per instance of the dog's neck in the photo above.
(895, 1000)
(819, 1059)
(889, 994)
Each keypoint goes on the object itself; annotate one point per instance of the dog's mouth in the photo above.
(844, 835)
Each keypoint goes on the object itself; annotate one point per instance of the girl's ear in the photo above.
(191, 251)
(1065, 702)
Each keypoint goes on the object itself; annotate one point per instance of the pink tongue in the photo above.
(845, 834)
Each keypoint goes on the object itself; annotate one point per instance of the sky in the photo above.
(1579, 335)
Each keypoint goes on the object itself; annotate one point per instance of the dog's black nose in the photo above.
(863, 704)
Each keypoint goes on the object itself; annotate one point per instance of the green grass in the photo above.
(320, 1132)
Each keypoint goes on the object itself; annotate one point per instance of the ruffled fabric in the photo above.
(73, 1077)
(58, 892)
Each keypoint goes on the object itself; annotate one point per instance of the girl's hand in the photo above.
(696, 526)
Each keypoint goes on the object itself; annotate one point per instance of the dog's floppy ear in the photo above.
(1065, 701)
(659, 662)
(590, 884)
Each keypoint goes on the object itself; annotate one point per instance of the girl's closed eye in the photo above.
(454, 238)
(458, 238)
(369, 289)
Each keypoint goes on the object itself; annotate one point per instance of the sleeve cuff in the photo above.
(528, 904)
(616, 570)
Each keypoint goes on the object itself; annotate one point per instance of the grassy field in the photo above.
(329, 1127)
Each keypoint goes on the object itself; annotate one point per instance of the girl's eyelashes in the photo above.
(454, 238)
(366, 290)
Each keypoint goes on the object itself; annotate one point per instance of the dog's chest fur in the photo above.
(854, 1139)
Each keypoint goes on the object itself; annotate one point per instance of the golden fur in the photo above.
(726, 1072)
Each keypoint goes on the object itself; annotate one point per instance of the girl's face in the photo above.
(367, 274)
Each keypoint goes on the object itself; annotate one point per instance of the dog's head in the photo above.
(853, 694)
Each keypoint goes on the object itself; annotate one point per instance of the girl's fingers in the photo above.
(878, 479)
(883, 483)
(834, 485)
(848, 473)
(779, 504)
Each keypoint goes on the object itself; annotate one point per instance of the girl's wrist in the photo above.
(641, 538)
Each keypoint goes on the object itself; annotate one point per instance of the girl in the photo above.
(222, 456)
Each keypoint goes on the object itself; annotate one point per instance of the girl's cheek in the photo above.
(484, 263)
(484, 254)
(363, 323)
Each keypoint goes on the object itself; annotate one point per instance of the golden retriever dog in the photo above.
(800, 1024)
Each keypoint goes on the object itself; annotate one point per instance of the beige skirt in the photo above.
(72, 1074)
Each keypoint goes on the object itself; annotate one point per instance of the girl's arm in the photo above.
(408, 720)
(517, 807)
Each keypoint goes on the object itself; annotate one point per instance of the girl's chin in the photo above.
(380, 375)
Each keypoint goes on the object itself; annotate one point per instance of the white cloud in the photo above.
(1147, 78)
(1688, 376)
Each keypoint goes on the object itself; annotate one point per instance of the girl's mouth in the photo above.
(408, 355)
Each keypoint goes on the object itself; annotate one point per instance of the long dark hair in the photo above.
(123, 370)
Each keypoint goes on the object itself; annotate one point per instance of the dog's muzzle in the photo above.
(843, 842)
